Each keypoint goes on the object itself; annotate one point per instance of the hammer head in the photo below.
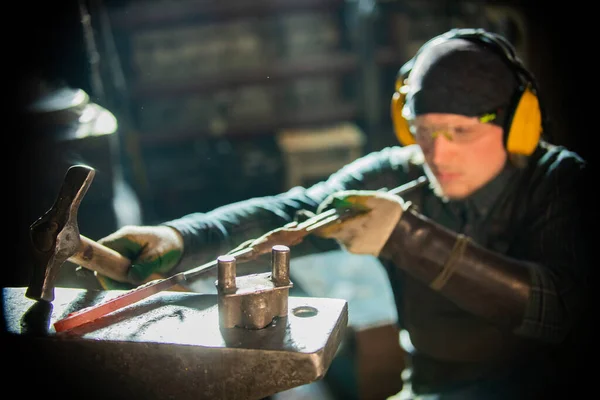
(55, 235)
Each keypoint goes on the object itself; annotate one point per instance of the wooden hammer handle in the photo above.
(104, 260)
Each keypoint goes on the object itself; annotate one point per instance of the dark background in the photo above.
(46, 38)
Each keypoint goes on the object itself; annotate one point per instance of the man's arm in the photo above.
(559, 244)
(537, 293)
(207, 235)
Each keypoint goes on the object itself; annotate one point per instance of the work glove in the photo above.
(153, 251)
(368, 232)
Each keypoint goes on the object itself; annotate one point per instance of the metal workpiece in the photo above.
(226, 274)
(254, 301)
(280, 265)
(168, 346)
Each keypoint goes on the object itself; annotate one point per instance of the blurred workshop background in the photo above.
(185, 105)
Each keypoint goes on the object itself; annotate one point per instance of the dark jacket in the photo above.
(538, 214)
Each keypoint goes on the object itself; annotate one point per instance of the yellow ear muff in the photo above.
(401, 128)
(526, 125)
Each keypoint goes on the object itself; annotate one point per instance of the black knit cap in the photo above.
(458, 76)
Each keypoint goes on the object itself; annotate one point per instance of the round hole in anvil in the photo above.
(305, 311)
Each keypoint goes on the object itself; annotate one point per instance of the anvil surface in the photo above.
(168, 346)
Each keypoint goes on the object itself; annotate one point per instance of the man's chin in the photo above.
(448, 190)
(453, 191)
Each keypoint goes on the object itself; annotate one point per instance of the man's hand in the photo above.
(366, 233)
(153, 251)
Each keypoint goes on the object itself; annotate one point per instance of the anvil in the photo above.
(168, 346)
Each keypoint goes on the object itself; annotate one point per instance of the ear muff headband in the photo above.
(523, 124)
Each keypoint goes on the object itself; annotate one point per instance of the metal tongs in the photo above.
(289, 235)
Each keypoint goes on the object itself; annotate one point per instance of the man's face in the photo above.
(462, 153)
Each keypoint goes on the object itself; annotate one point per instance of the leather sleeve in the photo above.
(478, 280)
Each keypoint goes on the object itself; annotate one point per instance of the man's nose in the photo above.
(443, 149)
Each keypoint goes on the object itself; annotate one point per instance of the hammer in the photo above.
(55, 238)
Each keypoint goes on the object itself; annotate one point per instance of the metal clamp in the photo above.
(253, 301)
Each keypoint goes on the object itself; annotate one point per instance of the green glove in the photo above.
(153, 251)
(347, 200)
